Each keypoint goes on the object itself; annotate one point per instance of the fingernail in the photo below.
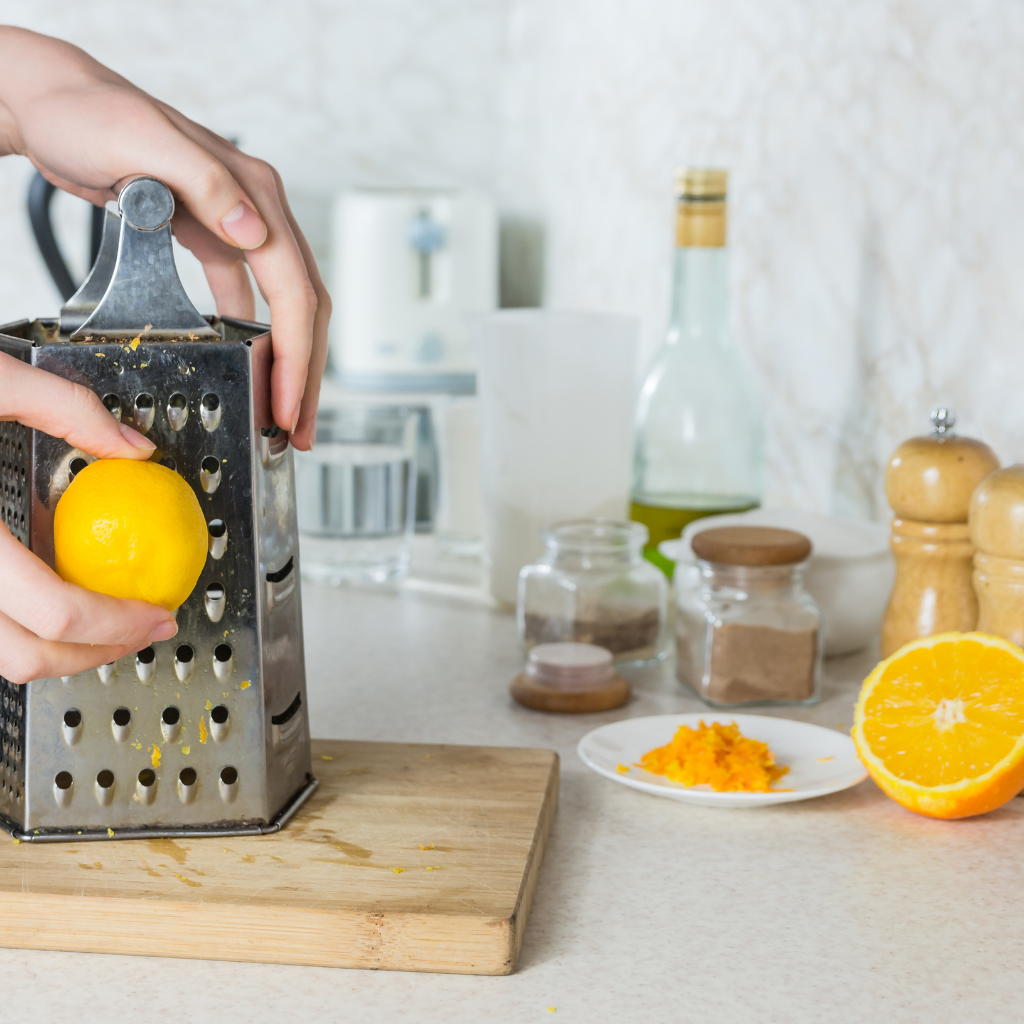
(295, 418)
(244, 227)
(135, 438)
(312, 436)
(164, 631)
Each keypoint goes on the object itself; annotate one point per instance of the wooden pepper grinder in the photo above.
(929, 483)
(997, 531)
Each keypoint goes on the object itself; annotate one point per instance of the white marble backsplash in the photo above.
(877, 225)
(876, 150)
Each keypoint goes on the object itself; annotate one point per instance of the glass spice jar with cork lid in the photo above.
(593, 586)
(747, 632)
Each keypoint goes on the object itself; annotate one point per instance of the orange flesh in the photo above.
(946, 713)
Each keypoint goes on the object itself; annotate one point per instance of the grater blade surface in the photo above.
(208, 733)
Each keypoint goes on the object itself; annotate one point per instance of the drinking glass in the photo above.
(457, 429)
(356, 495)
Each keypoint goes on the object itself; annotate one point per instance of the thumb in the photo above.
(61, 408)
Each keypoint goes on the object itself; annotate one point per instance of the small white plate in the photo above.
(820, 761)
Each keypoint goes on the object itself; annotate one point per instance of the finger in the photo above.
(272, 250)
(61, 408)
(201, 181)
(280, 271)
(34, 596)
(232, 289)
(24, 656)
(223, 265)
(284, 273)
(292, 313)
(305, 433)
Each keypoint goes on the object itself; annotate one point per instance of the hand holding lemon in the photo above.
(49, 627)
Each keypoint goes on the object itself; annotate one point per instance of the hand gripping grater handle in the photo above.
(145, 295)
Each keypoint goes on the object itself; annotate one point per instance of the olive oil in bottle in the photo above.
(700, 434)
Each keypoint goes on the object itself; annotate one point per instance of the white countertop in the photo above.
(845, 908)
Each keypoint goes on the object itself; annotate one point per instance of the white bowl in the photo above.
(850, 573)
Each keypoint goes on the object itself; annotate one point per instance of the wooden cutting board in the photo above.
(408, 857)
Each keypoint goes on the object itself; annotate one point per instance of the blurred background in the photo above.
(875, 157)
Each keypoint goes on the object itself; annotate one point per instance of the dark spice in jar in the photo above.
(636, 635)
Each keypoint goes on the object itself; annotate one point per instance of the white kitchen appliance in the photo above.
(407, 266)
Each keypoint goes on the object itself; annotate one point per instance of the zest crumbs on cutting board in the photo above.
(716, 755)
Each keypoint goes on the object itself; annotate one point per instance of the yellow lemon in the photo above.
(130, 529)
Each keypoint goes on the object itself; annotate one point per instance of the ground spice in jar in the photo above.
(633, 635)
(760, 663)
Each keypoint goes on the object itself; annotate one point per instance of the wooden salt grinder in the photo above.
(997, 531)
(929, 482)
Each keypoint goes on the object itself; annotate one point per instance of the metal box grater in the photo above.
(207, 733)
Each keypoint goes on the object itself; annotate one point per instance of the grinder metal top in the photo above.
(205, 734)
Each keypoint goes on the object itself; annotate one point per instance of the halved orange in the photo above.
(940, 724)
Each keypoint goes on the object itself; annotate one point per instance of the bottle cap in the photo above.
(701, 183)
(931, 478)
(751, 545)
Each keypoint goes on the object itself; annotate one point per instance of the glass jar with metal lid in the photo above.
(592, 585)
(746, 630)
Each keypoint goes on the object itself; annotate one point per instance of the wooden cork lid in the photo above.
(750, 545)
(997, 514)
(570, 677)
(931, 479)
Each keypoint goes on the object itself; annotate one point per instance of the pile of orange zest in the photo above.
(716, 755)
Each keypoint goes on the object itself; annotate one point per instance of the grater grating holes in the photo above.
(177, 411)
(15, 444)
(214, 601)
(184, 662)
(12, 763)
(209, 474)
(144, 413)
(218, 540)
(210, 412)
(113, 406)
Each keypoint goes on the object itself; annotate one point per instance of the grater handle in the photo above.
(145, 295)
(77, 309)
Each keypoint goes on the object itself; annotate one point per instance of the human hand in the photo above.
(49, 627)
(89, 131)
